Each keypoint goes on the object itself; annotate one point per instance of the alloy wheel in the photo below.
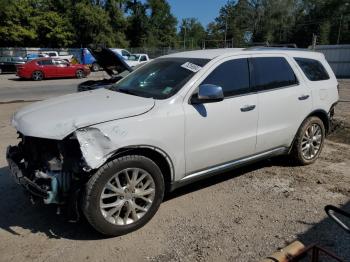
(37, 75)
(311, 141)
(127, 196)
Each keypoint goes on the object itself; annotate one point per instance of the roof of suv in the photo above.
(213, 53)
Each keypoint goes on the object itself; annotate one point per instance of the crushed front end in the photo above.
(51, 170)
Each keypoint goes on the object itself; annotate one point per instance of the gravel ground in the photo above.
(242, 215)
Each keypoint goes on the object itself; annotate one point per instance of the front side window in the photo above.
(272, 72)
(313, 69)
(232, 76)
(161, 78)
(143, 58)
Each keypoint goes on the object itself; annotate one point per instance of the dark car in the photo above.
(8, 64)
(111, 62)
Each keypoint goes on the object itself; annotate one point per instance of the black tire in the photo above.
(80, 73)
(95, 67)
(96, 184)
(37, 75)
(296, 152)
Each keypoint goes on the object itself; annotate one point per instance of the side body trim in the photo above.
(227, 166)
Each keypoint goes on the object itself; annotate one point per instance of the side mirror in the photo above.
(208, 94)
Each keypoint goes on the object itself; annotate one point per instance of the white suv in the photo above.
(179, 118)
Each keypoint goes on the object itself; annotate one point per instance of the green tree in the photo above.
(234, 23)
(52, 29)
(192, 32)
(118, 21)
(92, 25)
(138, 24)
(15, 27)
(162, 24)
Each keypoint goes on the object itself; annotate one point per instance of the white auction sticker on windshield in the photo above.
(191, 67)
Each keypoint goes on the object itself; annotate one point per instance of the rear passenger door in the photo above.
(62, 68)
(283, 98)
(48, 67)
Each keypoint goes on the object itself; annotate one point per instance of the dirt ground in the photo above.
(243, 215)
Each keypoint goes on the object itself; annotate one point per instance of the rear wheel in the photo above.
(80, 73)
(309, 141)
(123, 195)
(37, 75)
(95, 67)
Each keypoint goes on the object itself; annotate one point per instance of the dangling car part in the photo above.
(112, 63)
(298, 252)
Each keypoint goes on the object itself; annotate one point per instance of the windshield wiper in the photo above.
(126, 91)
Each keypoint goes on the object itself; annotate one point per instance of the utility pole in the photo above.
(185, 28)
(340, 22)
(314, 41)
(226, 30)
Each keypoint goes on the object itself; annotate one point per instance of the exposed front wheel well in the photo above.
(162, 161)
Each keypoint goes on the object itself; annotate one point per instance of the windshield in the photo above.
(161, 78)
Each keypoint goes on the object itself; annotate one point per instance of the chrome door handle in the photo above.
(248, 108)
(304, 97)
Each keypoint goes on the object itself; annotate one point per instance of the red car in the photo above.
(41, 68)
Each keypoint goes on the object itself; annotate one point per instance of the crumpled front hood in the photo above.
(58, 117)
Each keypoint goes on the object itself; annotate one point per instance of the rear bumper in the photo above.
(17, 171)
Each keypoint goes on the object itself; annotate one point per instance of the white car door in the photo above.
(284, 100)
(217, 133)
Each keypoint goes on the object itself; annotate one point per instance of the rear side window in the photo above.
(272, 72)
(313, 69)
(232, 76)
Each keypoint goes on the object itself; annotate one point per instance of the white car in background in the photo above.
(137, 59)
(123, 52)
(54, 54)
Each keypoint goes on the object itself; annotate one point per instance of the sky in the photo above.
(204, 10)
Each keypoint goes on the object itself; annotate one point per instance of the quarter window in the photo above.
(313, 69)
(272, 72)
(232, 76)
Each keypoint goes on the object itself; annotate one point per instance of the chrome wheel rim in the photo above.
(127, 196)
(37, 75)
(311, 142)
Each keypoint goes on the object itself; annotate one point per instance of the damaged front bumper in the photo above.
(52, 187)
(17, 171)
